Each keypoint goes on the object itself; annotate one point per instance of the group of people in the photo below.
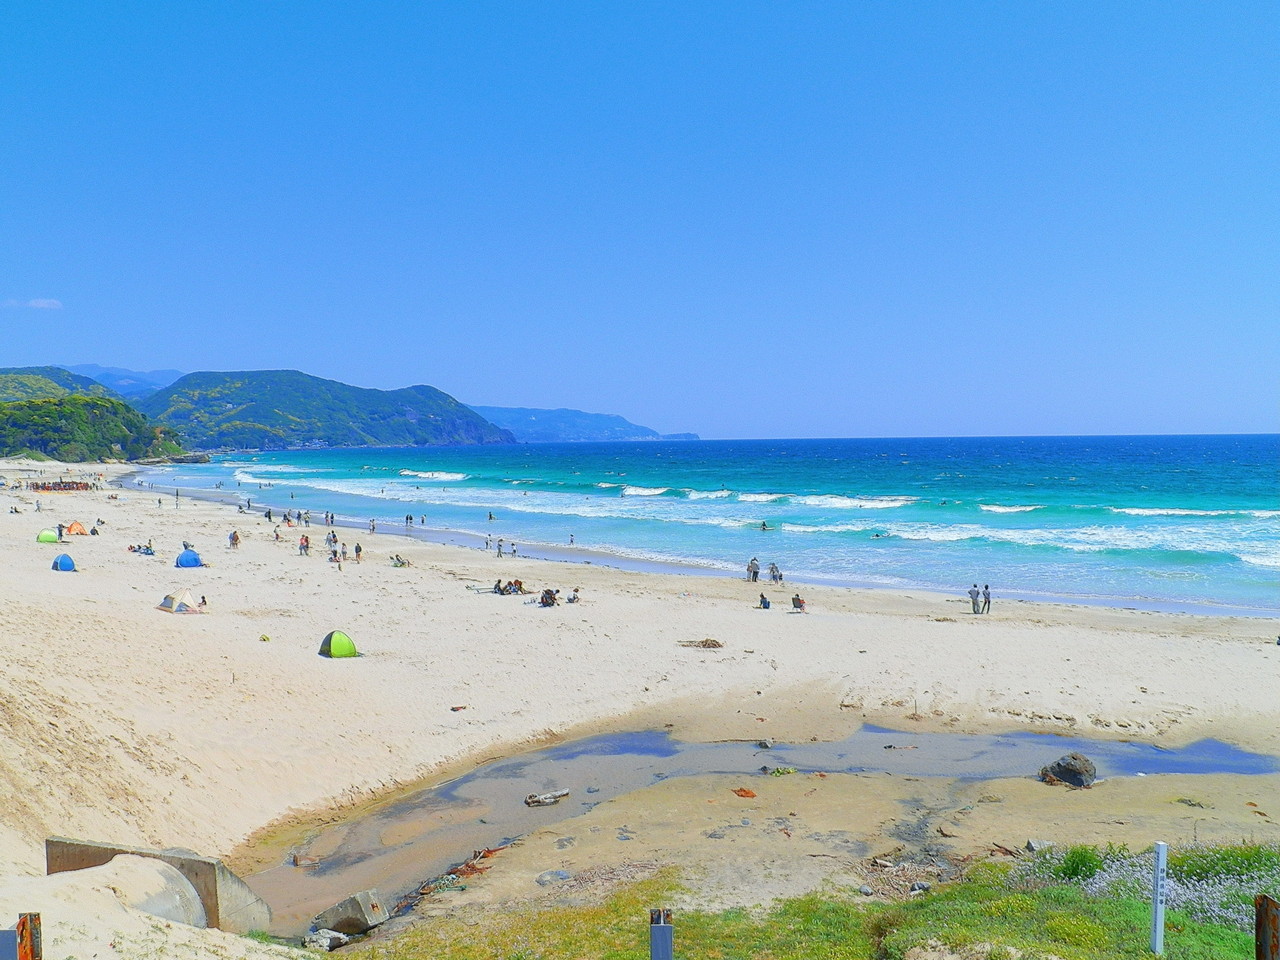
(753, 571)
(502, 544)
(981, 599)
(796, 603)
(146, 549)
(509, 588)
(551, 597)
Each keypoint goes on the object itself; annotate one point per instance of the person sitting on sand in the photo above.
(497, 587)
(573, 597)
(764, 602)
(797, 603)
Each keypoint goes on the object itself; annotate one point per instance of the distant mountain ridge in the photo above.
(48, 383)
(533, 425)
(127, 383)
(279, 409)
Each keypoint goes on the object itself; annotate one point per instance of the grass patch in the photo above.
(1060, 919)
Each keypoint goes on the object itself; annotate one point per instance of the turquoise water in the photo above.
(1189, 523)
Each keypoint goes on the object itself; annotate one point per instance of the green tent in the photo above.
(338, 644)
(47, 536)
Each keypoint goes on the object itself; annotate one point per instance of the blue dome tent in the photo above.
(188, 558)
(64, 563)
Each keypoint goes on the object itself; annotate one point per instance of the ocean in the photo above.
(1189, 523)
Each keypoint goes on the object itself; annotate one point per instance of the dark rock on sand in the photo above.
(1074, 769)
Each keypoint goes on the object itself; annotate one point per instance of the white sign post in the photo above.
(1159, 884)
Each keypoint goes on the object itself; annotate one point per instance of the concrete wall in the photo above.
(228, 903)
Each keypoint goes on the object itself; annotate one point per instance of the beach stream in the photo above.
(420, 835)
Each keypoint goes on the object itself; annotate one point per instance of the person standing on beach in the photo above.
(753, 569)
(373, 526)
(986, 598)
(359, 551)
(499, 547)
(973, 598)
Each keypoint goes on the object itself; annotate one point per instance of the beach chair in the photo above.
(797, 604)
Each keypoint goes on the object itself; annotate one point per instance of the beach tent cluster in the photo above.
(337, 644)
(179, 603)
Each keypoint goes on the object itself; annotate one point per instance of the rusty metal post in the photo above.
(30, 943)
(1266, 927)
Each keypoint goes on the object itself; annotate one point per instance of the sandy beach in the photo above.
(134, 726)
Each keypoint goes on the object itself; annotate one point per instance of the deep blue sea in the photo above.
(1187, 522)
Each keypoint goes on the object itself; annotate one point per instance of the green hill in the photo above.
(274, 409)
(531, 425)
(42, 383)
(77, 429)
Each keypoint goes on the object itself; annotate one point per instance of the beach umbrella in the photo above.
(64, 563)
(337, 644)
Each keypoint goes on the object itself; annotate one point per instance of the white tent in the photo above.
(179, 603)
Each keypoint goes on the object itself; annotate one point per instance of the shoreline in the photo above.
(560, 553)
(205, 731)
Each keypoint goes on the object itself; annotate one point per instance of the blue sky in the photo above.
(742, 219)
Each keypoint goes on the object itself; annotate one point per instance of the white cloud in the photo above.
(40, 303)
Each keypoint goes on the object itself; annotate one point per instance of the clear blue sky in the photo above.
(743, 219)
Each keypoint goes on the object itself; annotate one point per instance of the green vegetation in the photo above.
(76, 429)
(46, 383)
(275, 409)
(1058, 920)
(531, 425)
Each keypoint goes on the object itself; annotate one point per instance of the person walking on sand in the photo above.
(499, 548)
(359, 551)
(973, 598)
(986, 598)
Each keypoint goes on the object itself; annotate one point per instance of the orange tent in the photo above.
(77, 527)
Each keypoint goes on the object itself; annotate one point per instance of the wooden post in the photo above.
(1266, 927)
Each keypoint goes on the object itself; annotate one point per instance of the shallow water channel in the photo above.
(421, 835)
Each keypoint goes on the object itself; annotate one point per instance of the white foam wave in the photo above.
(434, 475)
(606, 486)
(644, 491)
(997, 508)
(854, 503)
(761, 497)
(1178, 512)
(825, 527)
(1261, 559)
(708, 494)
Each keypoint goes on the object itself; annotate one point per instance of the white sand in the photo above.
(130, 725)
